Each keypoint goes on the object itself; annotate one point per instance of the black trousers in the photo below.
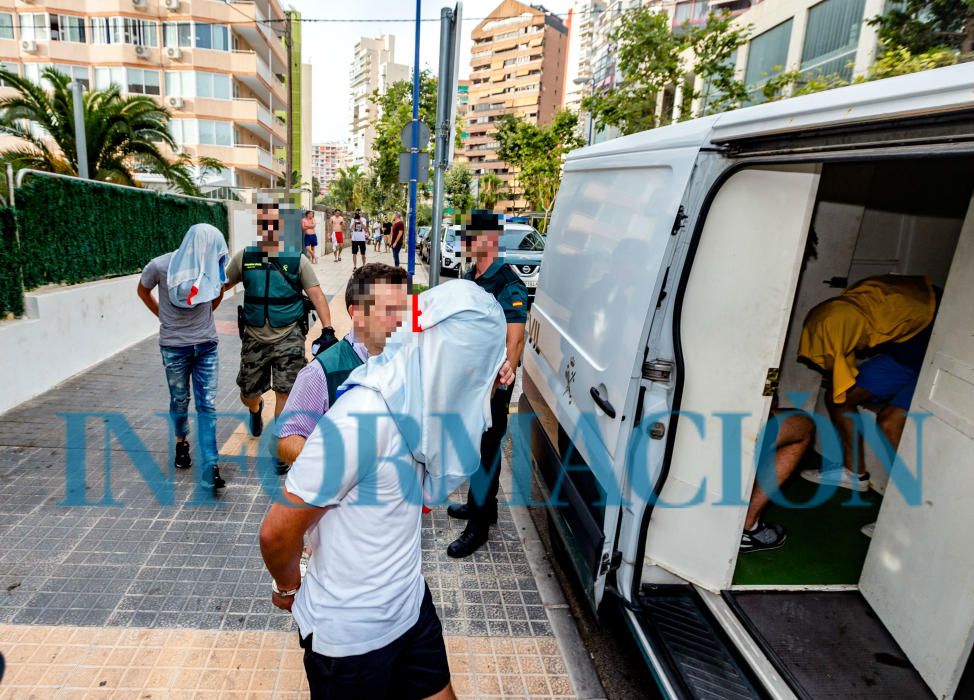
(482, 496)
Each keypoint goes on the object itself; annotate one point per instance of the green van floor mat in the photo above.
(824, 544)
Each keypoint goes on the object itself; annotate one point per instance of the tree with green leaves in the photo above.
(538, 153)
(123, 133)
(457, 184)
(653, 61)
(345, 191)
(490, 190)
(921, 26)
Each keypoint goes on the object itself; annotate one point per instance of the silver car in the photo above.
(521, 247)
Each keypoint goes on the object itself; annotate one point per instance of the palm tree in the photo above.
(123, 133)
(345, 191)
(490, 190)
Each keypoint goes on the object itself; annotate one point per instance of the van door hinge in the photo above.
(657, 370)
(681, 219)
(610, 563)
(771, 383)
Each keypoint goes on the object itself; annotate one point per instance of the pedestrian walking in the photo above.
(359, 237)
(190, 282)
(481, 243)
(337, 222)
(273, 318)
(398, 234)
(364, 613)
(375, 298)
(386, 234)
(308, 228)
(376, 235)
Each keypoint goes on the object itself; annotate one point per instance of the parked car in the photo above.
(521, 247)
(683, 262)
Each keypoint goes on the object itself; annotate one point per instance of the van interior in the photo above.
(833, 619)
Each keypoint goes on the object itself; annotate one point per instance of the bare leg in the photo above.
(852, 455)
(279, 400)
(892, 421)
(252, 402)
(794, 436)
(445, 694)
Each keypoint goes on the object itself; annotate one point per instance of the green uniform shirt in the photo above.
(510, 292)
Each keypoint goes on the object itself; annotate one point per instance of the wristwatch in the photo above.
(283, 594)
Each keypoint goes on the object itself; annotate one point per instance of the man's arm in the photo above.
(288, 448)
(282, 541)
(145, 294)
(321, 304)
(234, 272)
(216, 302)
(515, 343)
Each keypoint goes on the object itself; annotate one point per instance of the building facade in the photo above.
(218, 67)
(517, 67)
(326, 160)
(373, 69)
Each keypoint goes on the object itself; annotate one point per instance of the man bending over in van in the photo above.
(887, 319)
(376, 300)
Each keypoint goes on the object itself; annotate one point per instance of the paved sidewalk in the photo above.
(154, 601)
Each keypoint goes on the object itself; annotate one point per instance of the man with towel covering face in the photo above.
(404, 431)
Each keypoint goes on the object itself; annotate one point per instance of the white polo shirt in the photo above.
(364, 585)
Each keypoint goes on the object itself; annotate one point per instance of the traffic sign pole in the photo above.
(414, 154)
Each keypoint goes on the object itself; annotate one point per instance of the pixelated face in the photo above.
(383, 313)
(269, 224)
(480, 245)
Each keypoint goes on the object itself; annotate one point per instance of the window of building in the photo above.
(106, 77)
(32, 71)
(78, 73)
(6, 25)
(68, 28)
(212, 36)
(180, 83)
(34, 26)
(143, 82)
(766, 56)
(10, 68)
(692, 11)
(831, 37)
(124, 30)
(207, 132)
(178, 35)
(214, 85)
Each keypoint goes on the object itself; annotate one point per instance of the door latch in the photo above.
(610, 563)
(657, 370)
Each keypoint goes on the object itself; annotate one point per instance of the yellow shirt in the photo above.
(877, 310)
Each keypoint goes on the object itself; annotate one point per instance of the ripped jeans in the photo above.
(200, 364)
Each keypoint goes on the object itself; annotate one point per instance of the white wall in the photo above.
(68, 330)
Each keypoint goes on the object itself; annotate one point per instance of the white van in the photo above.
(675, 283)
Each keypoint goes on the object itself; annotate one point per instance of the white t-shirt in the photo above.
(364, 584)
(358, 230)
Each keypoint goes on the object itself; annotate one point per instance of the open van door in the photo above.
(919, 572)
(731, 323)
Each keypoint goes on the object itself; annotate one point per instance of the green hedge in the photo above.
(75, 231)
(11, 285)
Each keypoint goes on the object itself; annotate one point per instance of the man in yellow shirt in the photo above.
(886, 320)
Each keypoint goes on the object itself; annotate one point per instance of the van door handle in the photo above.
(602, 403)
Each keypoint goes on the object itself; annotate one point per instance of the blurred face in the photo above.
(375, 321)
(269, 226)
(480, 245)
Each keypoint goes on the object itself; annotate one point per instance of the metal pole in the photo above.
(414, 154)
(79, 128)
(290, 104)
(443, 132)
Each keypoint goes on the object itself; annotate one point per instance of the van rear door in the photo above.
(919, 572)
(608, 239)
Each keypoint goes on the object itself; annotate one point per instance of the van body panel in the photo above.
(732, 330)
(914, 576)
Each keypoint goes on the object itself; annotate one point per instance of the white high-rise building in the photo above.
(373, 68)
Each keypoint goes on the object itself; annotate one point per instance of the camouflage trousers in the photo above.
(274, 366)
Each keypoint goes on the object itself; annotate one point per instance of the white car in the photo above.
(521, 246)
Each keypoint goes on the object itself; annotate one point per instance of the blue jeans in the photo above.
(201, 364)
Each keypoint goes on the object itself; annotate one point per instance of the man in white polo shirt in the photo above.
(364, 613)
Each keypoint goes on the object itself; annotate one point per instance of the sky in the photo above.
(328, 46)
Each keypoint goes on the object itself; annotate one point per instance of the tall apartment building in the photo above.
(517, 67)
(326, 159)
(373, 68)
(219, 67)
(463, 109)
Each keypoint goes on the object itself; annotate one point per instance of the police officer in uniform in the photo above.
(481, 242)
(273, 341)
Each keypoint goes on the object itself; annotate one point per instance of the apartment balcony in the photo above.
(248, 114)
(262, 31)
(248, 158)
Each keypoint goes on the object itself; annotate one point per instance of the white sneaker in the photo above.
(840, 477)
(868, 530)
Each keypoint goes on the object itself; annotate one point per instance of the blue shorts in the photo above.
(888, 381)
(310, 239)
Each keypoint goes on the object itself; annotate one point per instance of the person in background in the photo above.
(308, 226)
(359, 237)
(376, 235)
(386, 234)
(376, 301)
(481, 241)
(273, 352)
(190, 282)
(337, 222)
(398, 235)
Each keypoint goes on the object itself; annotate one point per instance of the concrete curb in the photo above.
(578, 662)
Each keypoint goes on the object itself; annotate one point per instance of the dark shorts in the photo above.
(888, 380)
(310, 239)
(413, 666)
(358, 247)
(266, 366)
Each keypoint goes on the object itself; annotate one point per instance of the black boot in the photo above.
(257, 420)
(461, 511)
(183, 458)
(473, 537)
(218, 482)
